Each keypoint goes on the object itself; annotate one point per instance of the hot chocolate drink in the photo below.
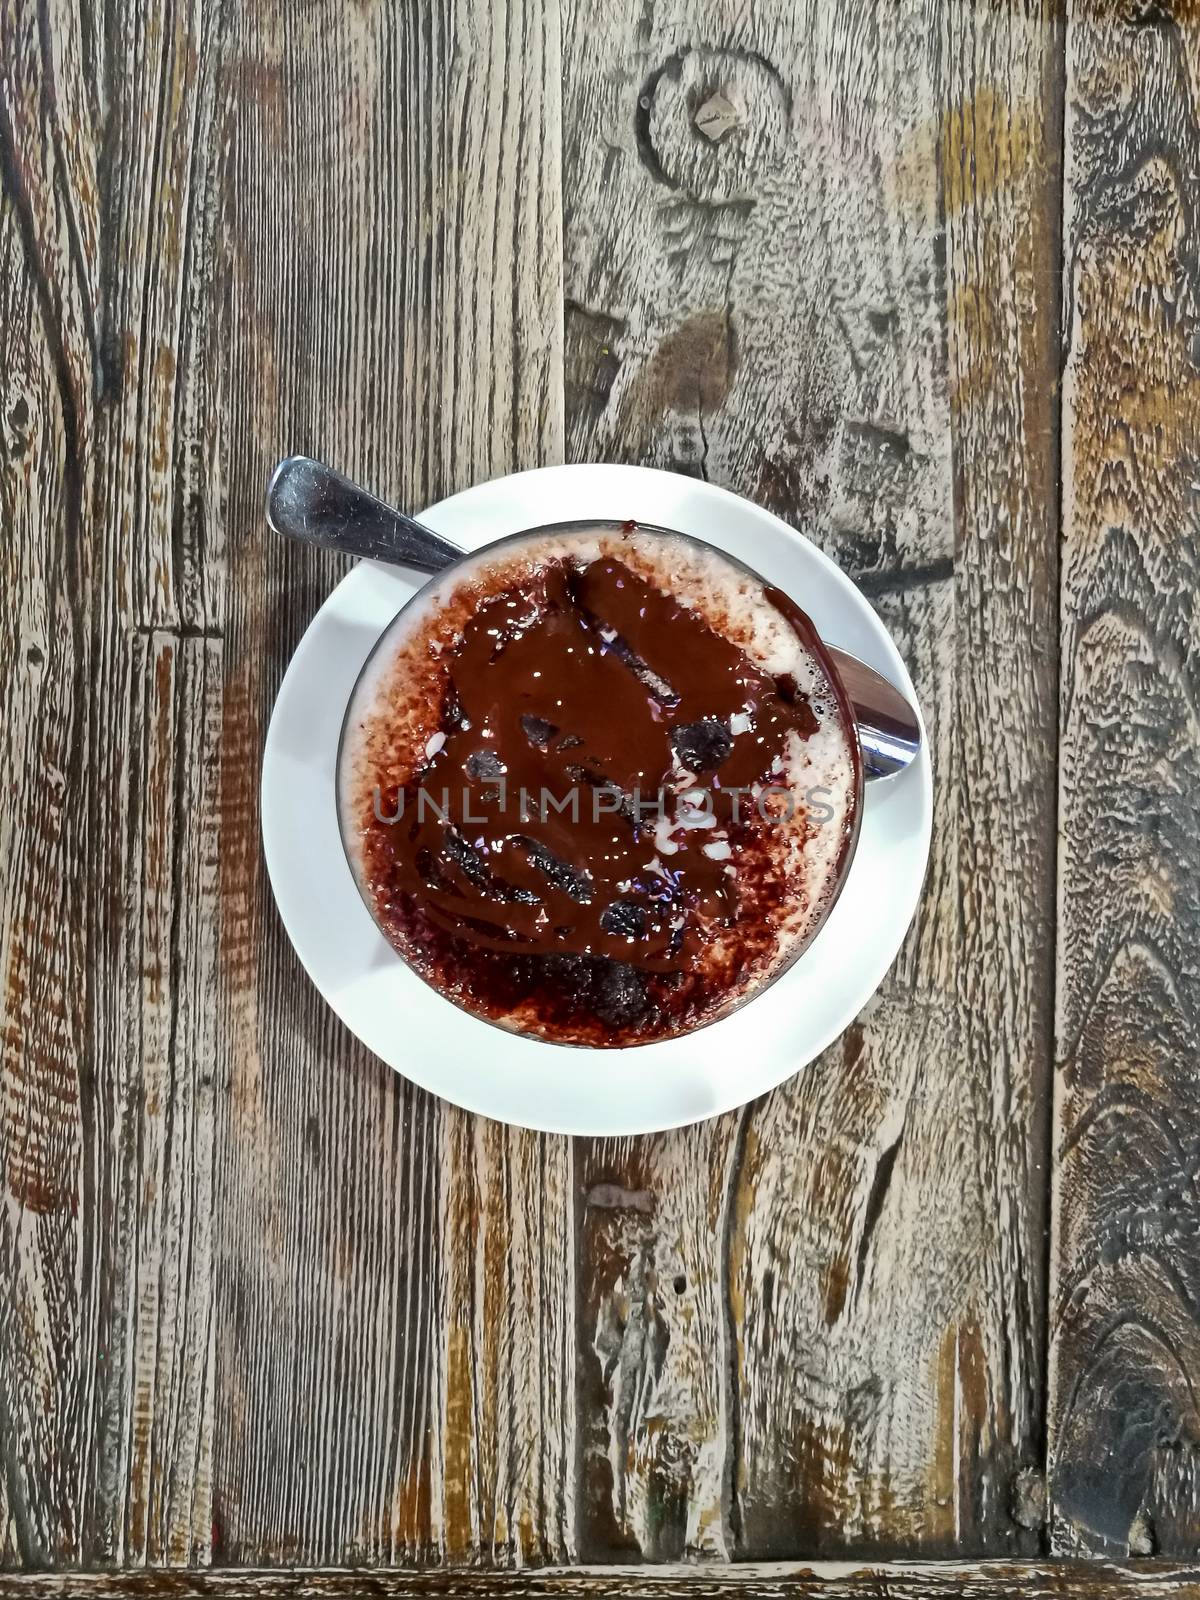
(599, 784)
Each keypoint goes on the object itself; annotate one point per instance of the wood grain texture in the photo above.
(112, 679)
(258, 1297)
(807, 256)
(652, 1356)
(260, 1300)
(392, 1274)
(942, 1580)
(1125, 1372)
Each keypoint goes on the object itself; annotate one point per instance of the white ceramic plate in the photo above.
(556, 1087)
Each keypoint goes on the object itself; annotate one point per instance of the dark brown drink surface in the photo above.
(528, 858)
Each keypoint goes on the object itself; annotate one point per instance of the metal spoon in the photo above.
(314, 504)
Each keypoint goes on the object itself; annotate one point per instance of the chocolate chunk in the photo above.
(702, 746)
(620, 994)
(613, 992)
(476, 870)
(560, 873)
(658, 688)
(431, 873)
(616, 801)
(624, 918)
(485, 766)
(467, 859)
(538, 731)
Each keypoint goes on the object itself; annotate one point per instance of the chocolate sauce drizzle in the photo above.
(528, 869)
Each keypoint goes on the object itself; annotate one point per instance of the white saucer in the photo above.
(526, 1081)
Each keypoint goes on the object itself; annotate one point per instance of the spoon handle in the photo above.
(309, 501)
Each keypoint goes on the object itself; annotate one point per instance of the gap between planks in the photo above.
(834, 1580)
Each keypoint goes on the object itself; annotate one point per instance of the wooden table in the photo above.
(921, 276)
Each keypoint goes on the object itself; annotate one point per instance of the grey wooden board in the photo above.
(843, 306)
(261, 1301)
(1125, 1343)
(941, 1580)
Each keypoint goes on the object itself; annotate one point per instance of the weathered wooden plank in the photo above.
(110, 854)
(1124, 1413)
(1001, 196)
(46, 1269)
(907, 1290)
(161, 1415)
(651, 1328)
(806, 248)
(393, 1358)
(508, 1424)
(227, 232)
(943, 1580)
